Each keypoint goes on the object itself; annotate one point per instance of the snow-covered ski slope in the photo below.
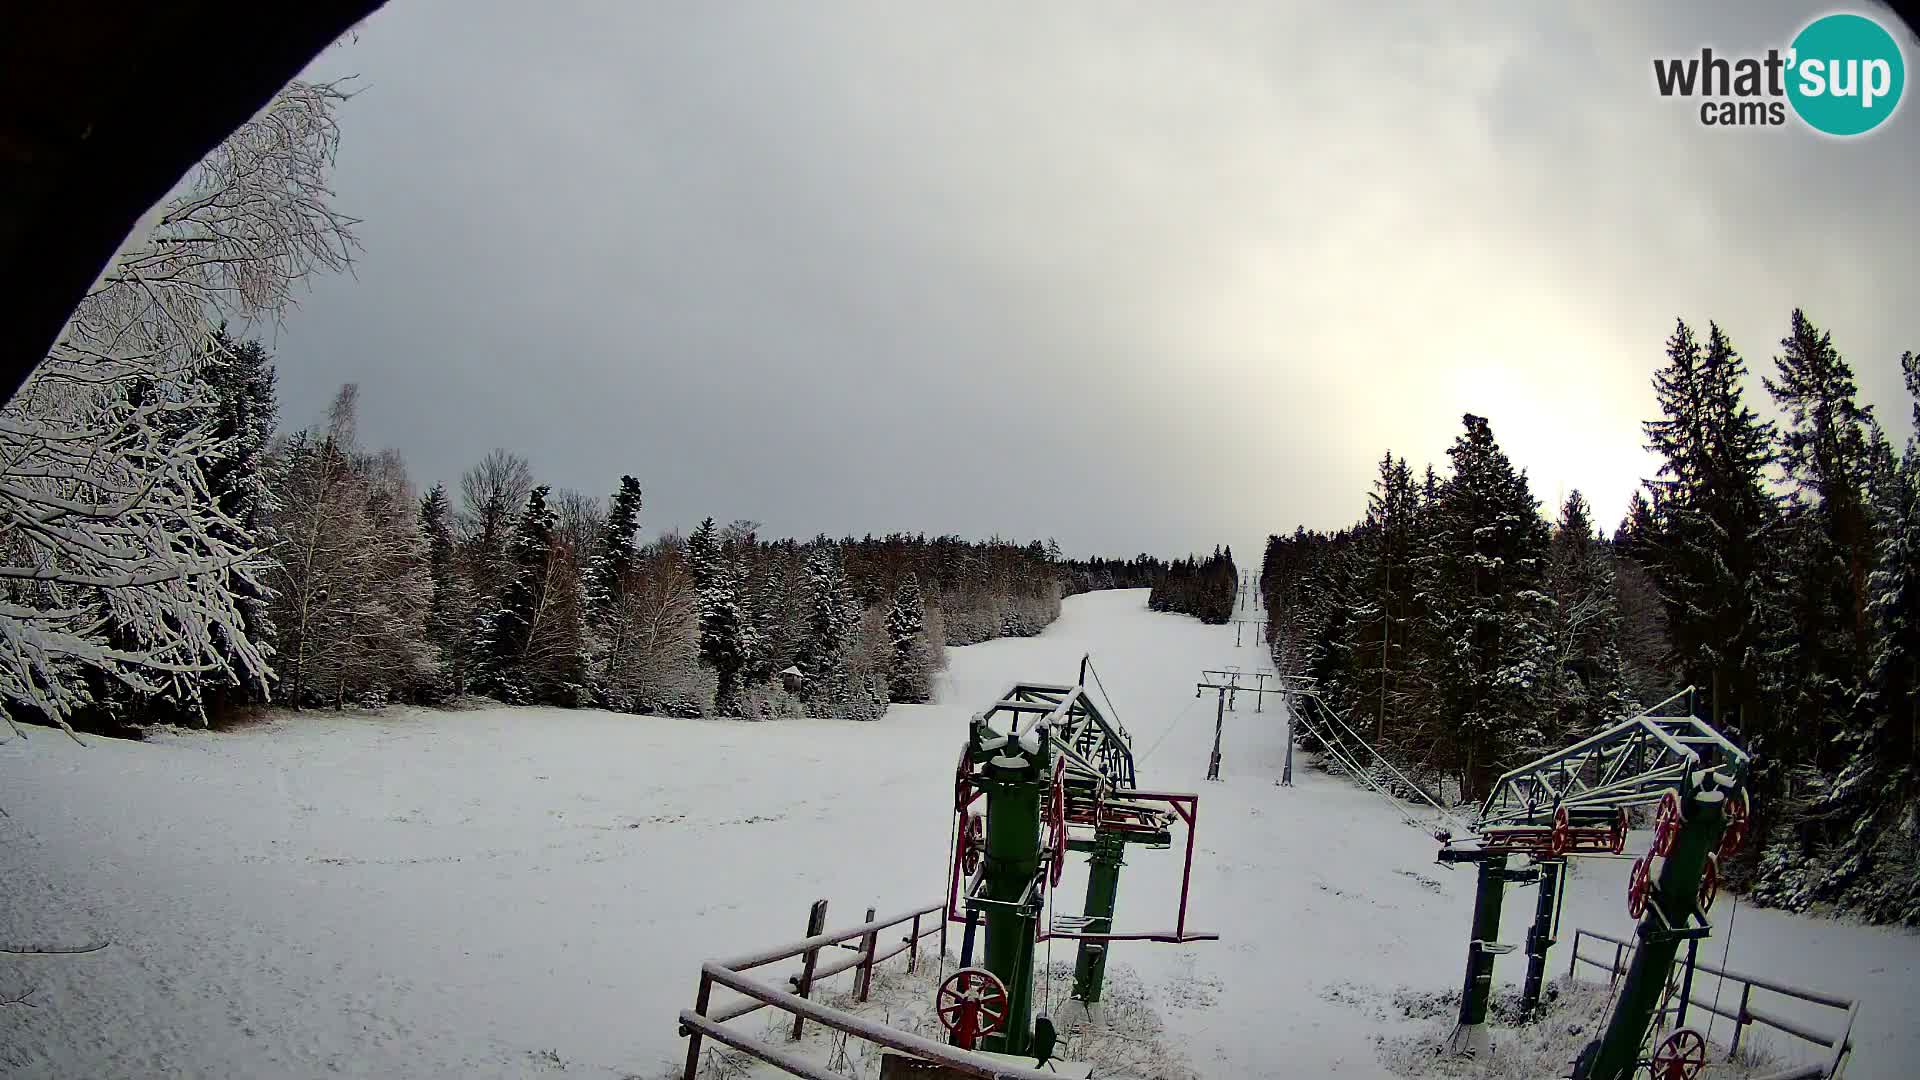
(524, 892)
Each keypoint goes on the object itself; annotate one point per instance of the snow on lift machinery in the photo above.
(1575, 802)
(1044, 771)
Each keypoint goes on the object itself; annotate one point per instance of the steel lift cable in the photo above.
(1337, 748)
(1382, 758)
(1340, 754)
(1726, 952)
(1347, 759)
(953, 852)
(1174, 723)
(1105, 696)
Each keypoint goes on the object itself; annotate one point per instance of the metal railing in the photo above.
(704, 1021)
(1838, 1045)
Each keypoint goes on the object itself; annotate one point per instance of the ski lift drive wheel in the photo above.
(1680, 1057)
(1620, 823)
(1709, 883)
(1640, 885)
(973, 843)
(972, 1002)
(1561, 837)
(1736, 832)
(1666, 824)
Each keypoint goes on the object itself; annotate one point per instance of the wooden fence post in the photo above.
(913, 946)
(693, 1037)
(867, 943)
(816, 925)
(1740, 1025)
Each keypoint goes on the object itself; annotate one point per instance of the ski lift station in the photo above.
(1045, 773)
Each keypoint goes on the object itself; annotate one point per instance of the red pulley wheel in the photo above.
(1620, 831)
(1681, 1056)
(1709, 883)
(1561, 838)
(1736, 832)
(973, 843)
(962, 784)
(972, 1002)
(1639, 885)
(1666, 824)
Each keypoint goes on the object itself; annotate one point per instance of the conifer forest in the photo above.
(1771, 566)
(504, 507)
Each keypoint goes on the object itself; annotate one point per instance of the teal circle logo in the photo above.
(1846, 74)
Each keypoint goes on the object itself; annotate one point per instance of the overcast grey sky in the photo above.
(1136, 276)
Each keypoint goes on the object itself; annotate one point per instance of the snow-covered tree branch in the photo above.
(116, 558)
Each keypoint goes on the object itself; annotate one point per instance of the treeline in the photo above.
(1462, 631)
(1204, 589)
(165, 556)
(362, 591)
(1777, 569)
(1095, 574)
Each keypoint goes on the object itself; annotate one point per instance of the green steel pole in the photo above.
(1660, 932)
(1013, 856)
(1470, 1036)
(1540, 937)
(1103, 888)
(1286, 770)
(1219, 720)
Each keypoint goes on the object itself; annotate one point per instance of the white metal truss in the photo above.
(1632, 762)
(1094, 748)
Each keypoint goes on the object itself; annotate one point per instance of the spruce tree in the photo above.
(824, 653)
(721, 622)
(506, 632)
(1385, 588)
(613, 564)
(906, 623)
(450, 610)
(530, 645)
(1875, 862)
(1819, 656)
(1586, 687)
(246, 413)
(610, 627)
(1823, 451)
(1714, 518)
(1489, 609)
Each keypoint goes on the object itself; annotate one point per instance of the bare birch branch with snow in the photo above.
(114, 557)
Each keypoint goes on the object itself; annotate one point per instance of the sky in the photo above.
(1135, 276)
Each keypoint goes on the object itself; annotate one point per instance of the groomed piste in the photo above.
(516, 892)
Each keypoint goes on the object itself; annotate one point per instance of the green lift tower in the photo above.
(1044, 772)
(1575, 802)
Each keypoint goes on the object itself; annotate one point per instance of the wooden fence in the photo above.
(818, 961)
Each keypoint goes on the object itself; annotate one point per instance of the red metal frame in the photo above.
(954, 914)
(1187, 806)
(1558, 839)
(1125, 819)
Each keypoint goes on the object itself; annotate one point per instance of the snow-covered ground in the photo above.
(513, 892)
